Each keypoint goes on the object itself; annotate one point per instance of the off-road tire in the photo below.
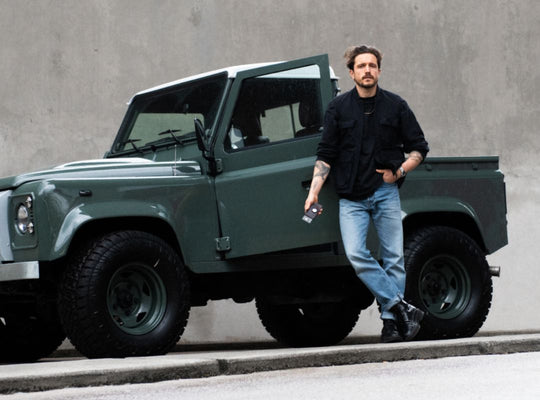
(447, 277)
(124, 294)
(308, 325)
(27, 337)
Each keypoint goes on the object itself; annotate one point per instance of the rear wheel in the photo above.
(126, 294)
(28, 336)
(312, 324)
(448, 277)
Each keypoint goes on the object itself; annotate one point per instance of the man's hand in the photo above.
(387, 175)
(311, 199)
(414, 159)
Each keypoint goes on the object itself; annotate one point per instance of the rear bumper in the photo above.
(19, 271)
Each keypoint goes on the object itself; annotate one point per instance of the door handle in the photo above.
(306, 184)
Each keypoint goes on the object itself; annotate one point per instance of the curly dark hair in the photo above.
(353, 51)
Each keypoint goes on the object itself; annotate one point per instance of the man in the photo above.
(367, 132)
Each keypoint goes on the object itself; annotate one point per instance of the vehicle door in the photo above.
(267, 143)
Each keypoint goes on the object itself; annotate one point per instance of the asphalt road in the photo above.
(513, 376)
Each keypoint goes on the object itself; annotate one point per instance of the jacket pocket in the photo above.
(389, 132)
(347, 140)
(342, 170)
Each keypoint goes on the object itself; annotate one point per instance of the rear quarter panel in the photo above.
(472, 187)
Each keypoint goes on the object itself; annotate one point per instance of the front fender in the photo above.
(184, 202)
(84, 213)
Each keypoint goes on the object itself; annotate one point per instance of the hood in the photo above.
(106, 168)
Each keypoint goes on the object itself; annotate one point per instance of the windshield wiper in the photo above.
(171, 132)
(181, 140)
(132, 143)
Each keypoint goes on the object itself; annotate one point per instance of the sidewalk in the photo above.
(189, 362)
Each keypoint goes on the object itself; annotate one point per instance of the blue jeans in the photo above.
(386, 282)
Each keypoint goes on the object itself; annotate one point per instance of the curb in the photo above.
(81, 373)
(361, 354)
(59, 374)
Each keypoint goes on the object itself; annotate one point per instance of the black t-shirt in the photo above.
(367, 179)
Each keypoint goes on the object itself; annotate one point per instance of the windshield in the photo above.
(167, 116)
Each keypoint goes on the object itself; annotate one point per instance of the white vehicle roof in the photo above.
(310, 71)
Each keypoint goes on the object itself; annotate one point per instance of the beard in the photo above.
(366, 85)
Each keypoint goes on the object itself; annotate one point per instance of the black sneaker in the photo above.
(390, 333)
(408, 319)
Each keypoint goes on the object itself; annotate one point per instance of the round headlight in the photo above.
(23, 218)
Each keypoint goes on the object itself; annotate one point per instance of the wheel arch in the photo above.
(98, 227)
(462, 221)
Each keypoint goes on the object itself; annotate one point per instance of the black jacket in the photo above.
(343, 141)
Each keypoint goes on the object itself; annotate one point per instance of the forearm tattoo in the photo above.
(415, 155)
(321, 170)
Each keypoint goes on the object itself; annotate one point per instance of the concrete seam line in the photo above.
(223, 366)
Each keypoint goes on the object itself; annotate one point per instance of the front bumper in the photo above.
(19, 271)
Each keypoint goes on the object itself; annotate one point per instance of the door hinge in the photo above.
(219, 165)
(215, 166)
(223, 243)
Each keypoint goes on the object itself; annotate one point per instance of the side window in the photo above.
(276, 107)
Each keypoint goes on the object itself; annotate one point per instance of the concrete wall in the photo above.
(468, 69)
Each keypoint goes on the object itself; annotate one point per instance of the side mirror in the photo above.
(199, 133)
(214, 167)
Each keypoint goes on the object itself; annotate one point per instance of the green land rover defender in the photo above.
(201, 198)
